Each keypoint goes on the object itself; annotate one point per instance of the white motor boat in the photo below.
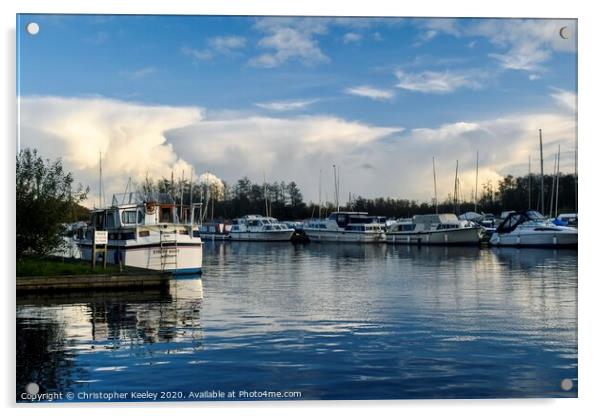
(350, 227)
(443, 229)
(531, 229)
(259, 228)
(146, 234)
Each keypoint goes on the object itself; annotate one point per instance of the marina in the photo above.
(301, 208)
(331, 321)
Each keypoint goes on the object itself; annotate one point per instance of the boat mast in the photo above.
(557, 182)
(553, 187)
(529, 181)
(99, 179)
(541, 162)
(576, 174)
(191, 211)
(476, 185)
(435, 181)
(265, 195)
(320, 196)
(456, 190)
(336, 187)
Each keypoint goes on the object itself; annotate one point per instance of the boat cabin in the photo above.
(514, 219)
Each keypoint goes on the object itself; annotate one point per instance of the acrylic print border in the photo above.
(286, 116)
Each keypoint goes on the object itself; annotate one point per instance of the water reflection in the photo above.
(332, 321)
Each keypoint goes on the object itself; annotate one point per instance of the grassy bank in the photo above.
(30, 266)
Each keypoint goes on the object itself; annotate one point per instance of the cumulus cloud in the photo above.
(371, 92)
(286, 105)
(130, 137)
(290, 39)
(374, 160)
(436, 82)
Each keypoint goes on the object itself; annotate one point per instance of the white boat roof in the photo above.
(436, 218)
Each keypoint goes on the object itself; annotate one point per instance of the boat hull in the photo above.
(276, 235)
(180, 259)
(535, 239)
(343, 236)
(460, 236)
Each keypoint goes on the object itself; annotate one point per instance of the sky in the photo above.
(289, 97)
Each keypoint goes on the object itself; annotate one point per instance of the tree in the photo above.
(45, 200)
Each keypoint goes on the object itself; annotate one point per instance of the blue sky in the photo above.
(236, 95)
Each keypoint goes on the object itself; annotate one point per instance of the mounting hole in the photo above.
(32, 388)
(566, 384)
(32, 28)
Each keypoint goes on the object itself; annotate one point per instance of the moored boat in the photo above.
(350, 227)
(531, 229)
(259, 228)
(443, 229)
(146, 234)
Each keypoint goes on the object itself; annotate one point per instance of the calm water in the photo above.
(328, 321)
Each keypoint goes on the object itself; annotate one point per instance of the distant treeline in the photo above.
(285, 200)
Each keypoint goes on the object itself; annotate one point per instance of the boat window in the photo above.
(98, 220)
(127, 217)
(511, 222)
(322, 225)
(165, 214)
(140, 216)
(535, 216)
(110, 220)
(234, 228)
(267, 227)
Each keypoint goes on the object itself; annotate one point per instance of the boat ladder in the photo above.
(168, 250)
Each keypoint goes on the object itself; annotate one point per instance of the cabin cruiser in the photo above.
(531, 229)
(434, 229)
(215, 231)
(146, 233)
(259, 228)
(352, 227)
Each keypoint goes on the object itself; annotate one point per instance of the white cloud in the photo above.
(425, 37)
(567, 99)
(351, 37)
(370, 92)
(197, 54)
(436, 82)
(138, 73)
(525, 44)
(219, 45)
(285, 105)
(130, 136)
(375, 160)
(290, 39)
(226, 44)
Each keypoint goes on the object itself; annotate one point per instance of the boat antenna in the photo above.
(541, 163)
(435, 181)
(476, 185)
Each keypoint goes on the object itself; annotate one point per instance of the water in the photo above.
(325, 321)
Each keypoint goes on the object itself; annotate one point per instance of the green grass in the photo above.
(30, 266)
